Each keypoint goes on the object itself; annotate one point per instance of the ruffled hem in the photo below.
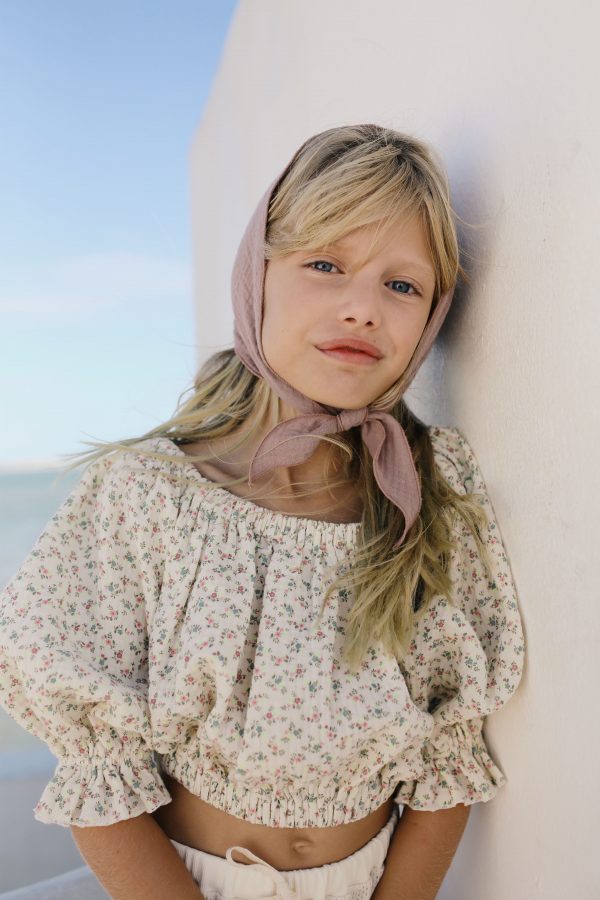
(101, 791)
(458, 769)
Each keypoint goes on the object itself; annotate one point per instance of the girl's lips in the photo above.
(351, 356)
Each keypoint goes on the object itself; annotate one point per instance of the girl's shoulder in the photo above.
(455, 459)
(140, 478)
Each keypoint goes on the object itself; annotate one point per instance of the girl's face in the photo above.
(311, 298)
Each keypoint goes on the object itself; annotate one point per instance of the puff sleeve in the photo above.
(465, 659)
(74, 647)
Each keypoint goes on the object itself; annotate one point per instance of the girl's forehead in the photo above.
(380, 232)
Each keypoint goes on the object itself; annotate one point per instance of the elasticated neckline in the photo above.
(262, 515)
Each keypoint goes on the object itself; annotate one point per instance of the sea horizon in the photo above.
(39, 464)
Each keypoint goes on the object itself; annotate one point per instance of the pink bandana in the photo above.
(393, 464)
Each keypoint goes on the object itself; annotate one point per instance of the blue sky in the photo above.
(99, 103)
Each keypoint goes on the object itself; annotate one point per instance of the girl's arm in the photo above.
(420, 852)
(135, 860)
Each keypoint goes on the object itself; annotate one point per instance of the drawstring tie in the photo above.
(284, 891)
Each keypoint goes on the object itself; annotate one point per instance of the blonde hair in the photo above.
(339, 180)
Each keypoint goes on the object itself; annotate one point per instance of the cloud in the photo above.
(78, 288)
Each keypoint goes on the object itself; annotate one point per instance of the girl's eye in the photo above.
(408, 284)
(318, 261)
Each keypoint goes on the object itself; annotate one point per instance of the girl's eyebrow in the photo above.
(427, 270)
(399, 263)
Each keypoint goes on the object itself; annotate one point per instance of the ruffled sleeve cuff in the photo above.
(457, 769)
(101, 789)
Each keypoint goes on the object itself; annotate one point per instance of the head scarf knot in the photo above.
(348, 418)
(293, 441)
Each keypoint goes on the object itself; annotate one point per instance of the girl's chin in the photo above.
(343, 399)
(341, 389)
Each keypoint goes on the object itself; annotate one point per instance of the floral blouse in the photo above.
(161, 626)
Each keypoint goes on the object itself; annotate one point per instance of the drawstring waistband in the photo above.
(284, 891)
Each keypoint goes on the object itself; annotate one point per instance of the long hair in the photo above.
(344, 178)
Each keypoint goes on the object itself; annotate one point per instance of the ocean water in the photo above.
(28, 500)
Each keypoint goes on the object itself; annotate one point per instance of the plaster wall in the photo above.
(504, 93)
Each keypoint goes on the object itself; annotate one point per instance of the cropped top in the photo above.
(166, 627)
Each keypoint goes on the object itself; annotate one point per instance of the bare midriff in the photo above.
(195, 823)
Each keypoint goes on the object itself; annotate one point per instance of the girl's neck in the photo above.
(280, 485)
(314, 470)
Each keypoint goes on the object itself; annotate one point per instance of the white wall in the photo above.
(506, 93)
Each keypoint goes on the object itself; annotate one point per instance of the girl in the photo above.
(262, 639)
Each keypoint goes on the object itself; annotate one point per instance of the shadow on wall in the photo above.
(471, 178)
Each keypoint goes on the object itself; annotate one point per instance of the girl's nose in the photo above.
(361, 303)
